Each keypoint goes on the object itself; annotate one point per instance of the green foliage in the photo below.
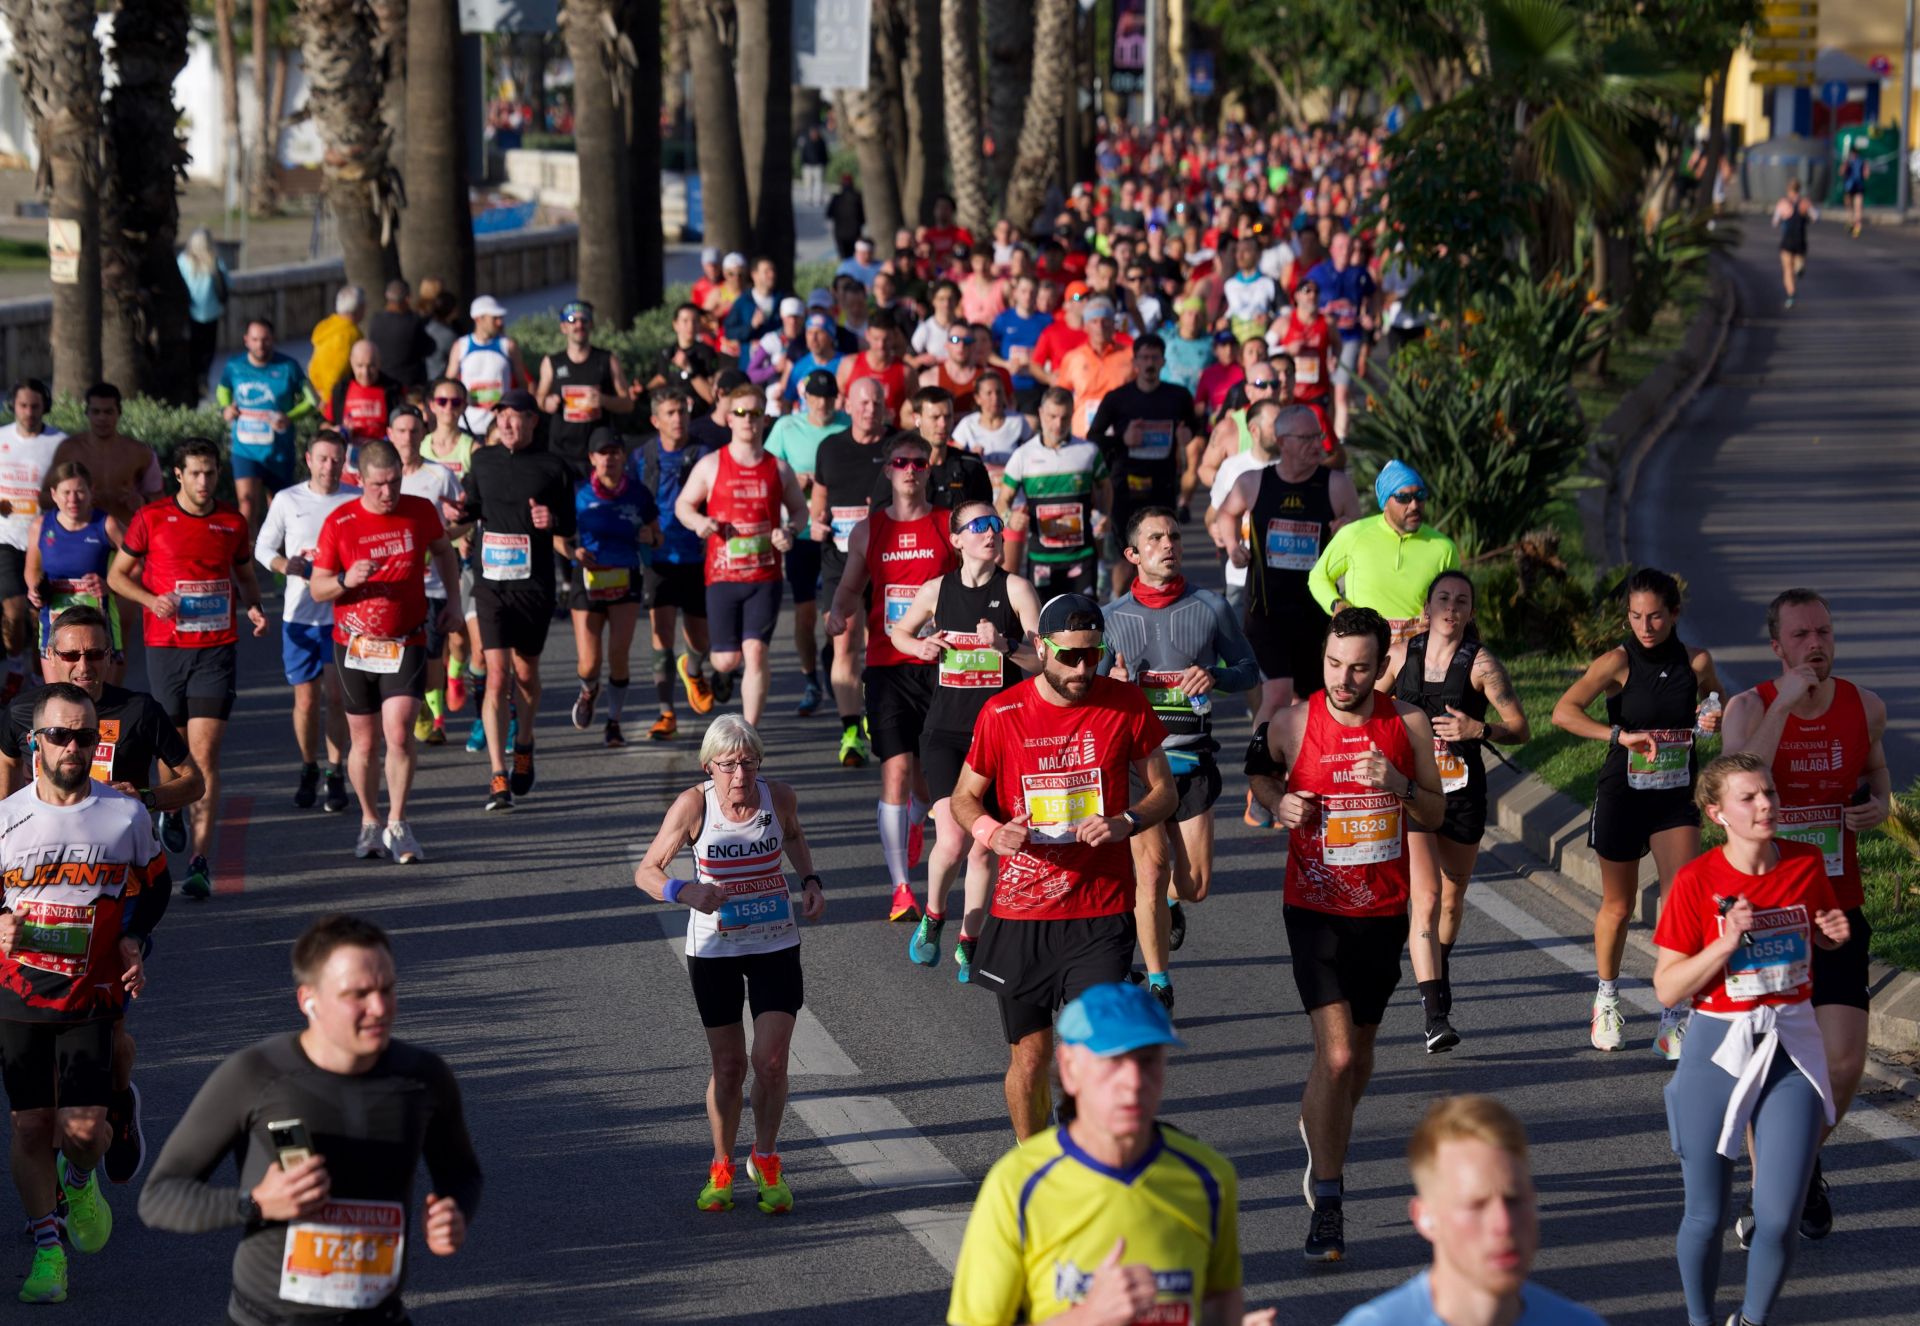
(1663, 257)
(1533, 600)
(159, 425)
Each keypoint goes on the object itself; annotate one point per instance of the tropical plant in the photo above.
(1054, 72)
(1663, 255)
(1010, 61)
(361, 186)
(1532, 599)
(436, 234)
(604, 60)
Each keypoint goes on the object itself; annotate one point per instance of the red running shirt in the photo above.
(1817, 767)
(392, 604)
(892, 380)
(193, 557)
(1307, 343)
(902, 555)
(1062, 764)
(747, 497)
(1777, 967)
(1352, 859)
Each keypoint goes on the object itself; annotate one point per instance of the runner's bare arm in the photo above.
(545, 386)
(1346, 501)
(1749, 725)
(123, 578)
(1220, 445)
(1026, 605)
(1390, 674)
(1707, 678)
(1162, 798)
(620, 402)
(1284, 731)
(1875, 810)
(183, 785)
(1428, 804)
(846, 598)
(678, 828)
(813, 899)
(1490, 679)
(791, 494)
(1604, 676)
(35, 572)
(1225, 528)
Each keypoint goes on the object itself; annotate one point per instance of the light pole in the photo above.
(1905, 176)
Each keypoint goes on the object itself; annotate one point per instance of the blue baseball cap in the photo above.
(1116, 1019)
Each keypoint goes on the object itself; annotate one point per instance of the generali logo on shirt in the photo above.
(219, 522)
(1814, 756)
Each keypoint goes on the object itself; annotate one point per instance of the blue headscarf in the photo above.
(1393, 476)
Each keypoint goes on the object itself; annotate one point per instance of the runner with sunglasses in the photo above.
(953, 475)
(848, 467)
(896, 550)
(578, 388)
(1385, 563)
(618, 522)
(1144, 427)
(1057, 754)
(1233, 434)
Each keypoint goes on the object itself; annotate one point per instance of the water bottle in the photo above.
(1711, 705)
(1202, 704)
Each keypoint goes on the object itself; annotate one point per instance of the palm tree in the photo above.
(223, 23)
(960, 65)
(1054, 69)
(728, 220)
(603, 67)
(344, 93)
(765, 79)
(861, 124)
(926, 168)
(263, 184)
(1010, 57)
(144, 301)
(437, 237)
(643, 160)
(57, 62)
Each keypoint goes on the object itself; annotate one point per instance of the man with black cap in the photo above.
(796, 439)
(1058, 754)
(523, 500)
(845, 469)
(579, 387)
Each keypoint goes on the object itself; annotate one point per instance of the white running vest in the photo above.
(744, 861)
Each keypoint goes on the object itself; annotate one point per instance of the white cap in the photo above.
(792, 308)
(486, 306)
(709, 254)
(733, 260)
(863, 243)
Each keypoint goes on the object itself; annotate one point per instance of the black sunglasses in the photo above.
(75, 655)
(70, 736)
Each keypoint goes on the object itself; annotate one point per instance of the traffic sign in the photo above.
(1786, 54)
(1789, 9)
(1784, 77)
(1834, 92)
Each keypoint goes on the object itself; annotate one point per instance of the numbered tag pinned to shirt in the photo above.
(1670, 765)
(506, 556)
(348, 1256)
(1823, 826)
(366, 653)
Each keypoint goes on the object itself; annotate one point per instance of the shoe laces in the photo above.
(720, 1174)
(523, 761)
(497, 784)
(1328, 1223)
(767, 1168)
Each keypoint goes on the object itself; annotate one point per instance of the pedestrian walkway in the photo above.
(1798, 465)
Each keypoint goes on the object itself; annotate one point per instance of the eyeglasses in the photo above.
(907, 463)
(983, 525)
(732, 767)
(747, 412)
(70, 736)
(75, 655)
(959, 340)
(1073, 658)
(1077, 298)
(1410, 495)
(1262, 382)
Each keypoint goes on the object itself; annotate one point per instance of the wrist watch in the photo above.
(813, 880)
(1133, 822)
(250, 1210)
(1614, 739)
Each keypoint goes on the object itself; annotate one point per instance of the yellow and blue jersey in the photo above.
(1048, 1215)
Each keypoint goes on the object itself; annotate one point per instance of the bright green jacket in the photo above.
(1383, 569)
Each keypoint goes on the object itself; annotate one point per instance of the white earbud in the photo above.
(309, 1006)
(1426, 1224)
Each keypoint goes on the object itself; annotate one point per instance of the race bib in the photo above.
(366, 653)
(486, 392)
(1669, 766)
(1156, 441)
(756, 910)
(1058, 803)
(1139, 483)
(606, 584)
(102, 770)
(1306, 370)
(969, 664)
(749, 547)
(347, 1257)
(898, 599)
(1060, 524)
(1823, 826)
(844, 518)
(54, 936)
(506, 556)
(253, 428)
(1453, 769)
(63, 594)
(204, 606)
(1293, 545)
(366, 415)
(580, 405)
(1778, 959)
(1362, 829)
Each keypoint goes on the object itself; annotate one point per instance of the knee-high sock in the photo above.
(893, 839)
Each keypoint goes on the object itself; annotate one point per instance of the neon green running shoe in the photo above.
(963, 959)
(854, 751)
(47, 1281)
(924, 947)
(718, 1194)
(89, 1218)
(775, 1197)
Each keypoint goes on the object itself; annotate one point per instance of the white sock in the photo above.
(893, 839)
(1609, 990)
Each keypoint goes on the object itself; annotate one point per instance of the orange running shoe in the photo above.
(718, 1194)
(775, 1197)
(664, 728)
(699, 694)
(905, 906)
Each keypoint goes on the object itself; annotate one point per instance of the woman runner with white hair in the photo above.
(742, 942)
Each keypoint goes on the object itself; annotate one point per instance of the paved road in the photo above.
(529, 960)
(1798, 465)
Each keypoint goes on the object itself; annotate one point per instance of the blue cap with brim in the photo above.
(1116, 1019)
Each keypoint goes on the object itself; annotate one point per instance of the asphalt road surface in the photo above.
(1798, 465)
(554, 988)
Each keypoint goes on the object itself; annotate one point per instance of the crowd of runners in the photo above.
(982, 471)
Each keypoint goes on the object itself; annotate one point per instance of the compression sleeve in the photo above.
(1239, 670)
(223, 395)
(448, 1149)
(178, 1197)
(307, 402)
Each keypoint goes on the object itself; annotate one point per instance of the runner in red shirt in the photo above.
(1304, 332)
(1066, 335)
(896, 550)
(1343, 772)
(943, 236)
(879, 362)
(1058, 751)
(1822, 735)
(372, 566)
(185, 560)
(363, 399)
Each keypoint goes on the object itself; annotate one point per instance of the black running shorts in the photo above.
(1840, 975)
(45, 1064)
(898, 697)
(1039, 967)
(1352, 960)
(764, 982)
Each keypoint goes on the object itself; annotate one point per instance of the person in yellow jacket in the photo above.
(1385, 562)
(333, 340)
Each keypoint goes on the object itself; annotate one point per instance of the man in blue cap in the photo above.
(1112, 1216)
(1386, 562)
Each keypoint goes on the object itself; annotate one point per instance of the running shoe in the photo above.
(699, 694)
(963, 959)
(1789, 301)
(853, 747)
(173, 831)
(127, 1150)
(422, 726)
(1441, 1036)
(905, 907)
(612, 735)
(1327, 1236)
(775, 1197)
(1743, 1226)
(924, 947)
(437, 733)
(664, 728)
(46, 1282)
(1673, 1031)
(522, 771)
(1163, 992)
(1816, 1215)
(336, 800)
(583, 707)
(718, 1194)
(89, 1218)
(810, 701)
(1257, 814)
(723, 687)
(476, 737)
(199, 881)
(1609, 1029)
(402, 846)
(456, 693)
(309, 790)
(1176, 927)
(499, 795)
(370, 845)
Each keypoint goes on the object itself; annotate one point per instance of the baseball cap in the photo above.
(863, 243)
(820, 297)
(729, 379)
(604, 439)
(1097, 308)
(486, 306)
(821, 383)
(576, 308)
(1077, 290)
(1054, 616)
(709, 254)
(1117, 1018)
(517, 399)
(820, 321)
(733, 260)
(792, 308)
(1224, 337)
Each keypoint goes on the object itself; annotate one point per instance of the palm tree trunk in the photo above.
(230, 146)
(926, 135)
(727, 220)
(1054, 68)
(57, 63)
(960, 68)
(390, 51)
(361, 186)
(1010, 57)
(263, 185)
(648, 273)
(1716, 137)
(673, 91)
(437, 239)
(765, 80)
(879, 190)
(144, 301)
(602, 84)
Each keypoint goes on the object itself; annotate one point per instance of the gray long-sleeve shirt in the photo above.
(1198, 629)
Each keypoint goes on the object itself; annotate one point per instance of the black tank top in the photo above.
(1455, 690)
(1793, 232)
(580, 388)
(964, 676)
(1289, 530)
(1661, 694)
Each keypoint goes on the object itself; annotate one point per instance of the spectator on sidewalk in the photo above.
(207, 290)
(813, 165)
(333, 338)
(401, 335)
(437, 307)
(849, 217)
